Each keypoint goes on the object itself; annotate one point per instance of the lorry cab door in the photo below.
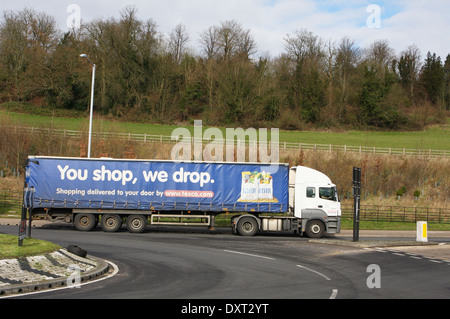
(305, 197)
(327, 200)
(310, 196)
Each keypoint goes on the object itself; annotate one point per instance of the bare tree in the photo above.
(247, 44)
(304, 45)
(347, 59)
(380, 55)
(208, 40)
(228, 37)
(178, 40)
(227, 41)
(330, 61)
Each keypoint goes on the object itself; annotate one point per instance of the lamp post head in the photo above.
(84, 55)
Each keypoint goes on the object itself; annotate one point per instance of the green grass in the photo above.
(436, 137)
(8, 209)
(347, 224)
(10, 249)
(432, 138)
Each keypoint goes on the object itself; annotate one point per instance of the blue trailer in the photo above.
(137, 192)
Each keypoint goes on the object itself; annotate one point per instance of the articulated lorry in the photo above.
(113, 192)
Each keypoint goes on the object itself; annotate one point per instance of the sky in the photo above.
(425, 24)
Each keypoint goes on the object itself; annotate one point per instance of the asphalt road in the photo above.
(194, 264)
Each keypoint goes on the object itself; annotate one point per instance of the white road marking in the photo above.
(246, 254)
(314, 271)
(334, 294)
(407, 254)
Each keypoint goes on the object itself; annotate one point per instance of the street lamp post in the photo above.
(92, 103)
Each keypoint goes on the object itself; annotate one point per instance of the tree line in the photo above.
(143, 75)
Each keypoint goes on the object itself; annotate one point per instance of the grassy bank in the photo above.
(435, 137)
(31, 247)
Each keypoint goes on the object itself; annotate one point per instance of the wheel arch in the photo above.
(310, 215)
(237, 218)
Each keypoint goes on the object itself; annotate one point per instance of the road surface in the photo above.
(194, 264)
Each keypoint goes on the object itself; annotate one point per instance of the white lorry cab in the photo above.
(314, 208)
(314, 200)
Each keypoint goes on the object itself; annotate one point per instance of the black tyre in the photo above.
(111, 223)
(315, 229)
(85, 222)
(247, 226)
(77, 251)
(136, 223)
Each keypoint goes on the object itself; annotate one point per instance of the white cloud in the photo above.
(427, 26)
(403, 22)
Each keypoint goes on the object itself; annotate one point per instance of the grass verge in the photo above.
(224, 220)
(10, 249)
(347, 224)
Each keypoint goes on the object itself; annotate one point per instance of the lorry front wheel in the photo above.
(111, 223)
(315, 229)
(136, 223)
(247, 226)
(84, 222)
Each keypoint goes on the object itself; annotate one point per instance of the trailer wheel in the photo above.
(136, 223)
(84, 222)
(315, 229)
(247, 226)
(111, 223)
